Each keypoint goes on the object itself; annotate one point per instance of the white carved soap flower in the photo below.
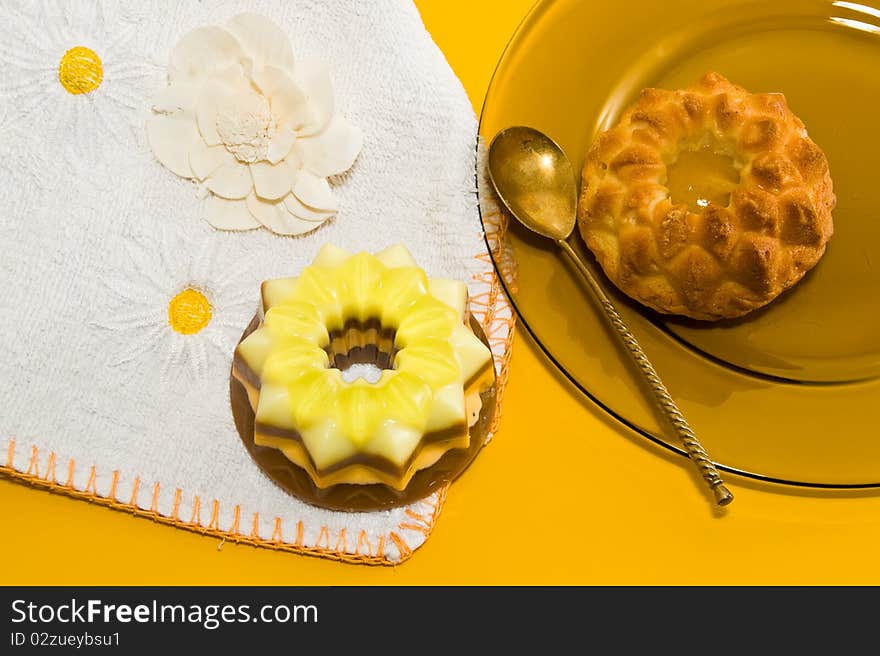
(259, 133)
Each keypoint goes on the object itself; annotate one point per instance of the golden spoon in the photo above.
(535, 181)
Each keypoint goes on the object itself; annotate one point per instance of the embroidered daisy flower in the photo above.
(258, 131)
(177, 309)
(71, 80)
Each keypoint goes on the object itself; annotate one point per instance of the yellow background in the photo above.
(562, 495)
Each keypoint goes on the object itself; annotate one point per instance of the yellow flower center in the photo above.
(80, 70)
(189, 312)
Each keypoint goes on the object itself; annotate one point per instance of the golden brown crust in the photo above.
(718, 262)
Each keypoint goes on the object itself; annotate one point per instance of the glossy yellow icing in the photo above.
(436, 355)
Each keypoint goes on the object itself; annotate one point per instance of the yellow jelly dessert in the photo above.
(354, 308)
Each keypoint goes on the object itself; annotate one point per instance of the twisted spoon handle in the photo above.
(692, 445)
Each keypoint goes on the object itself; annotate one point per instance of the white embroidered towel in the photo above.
(101, 398)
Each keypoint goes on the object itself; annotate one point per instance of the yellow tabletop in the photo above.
(563, 495)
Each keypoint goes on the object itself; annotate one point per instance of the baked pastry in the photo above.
(346, 309)
(729, 251)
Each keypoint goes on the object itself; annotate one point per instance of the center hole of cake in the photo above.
(366, 370)
(362, 349)
(701, 176)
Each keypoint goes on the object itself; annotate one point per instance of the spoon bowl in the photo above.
(535, 180)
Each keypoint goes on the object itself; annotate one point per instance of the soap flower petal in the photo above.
(254, 127)
(202, 52)
(314, 77)
(274, 216)
(333, 150)
(272, 181)
(302, 211)
(289, 101)
(231, 215)
(264, 42)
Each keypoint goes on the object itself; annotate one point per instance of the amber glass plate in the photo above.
(791, 393)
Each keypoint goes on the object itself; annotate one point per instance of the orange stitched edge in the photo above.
(341, 541)
(255, 526)
(236, 517)
(34, 464)
(113, 483)
(363, 540)
(422, 523)
(154, 504)
(71, 466)
(499, 329)
(175, 505)
(91, 485)
(196, 516)
(402, 547)
(134, 491)
(275, 542)
(228, 536)
(214, 522)
(323, 536)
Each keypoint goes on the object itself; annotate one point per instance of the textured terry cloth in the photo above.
(101, 398)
